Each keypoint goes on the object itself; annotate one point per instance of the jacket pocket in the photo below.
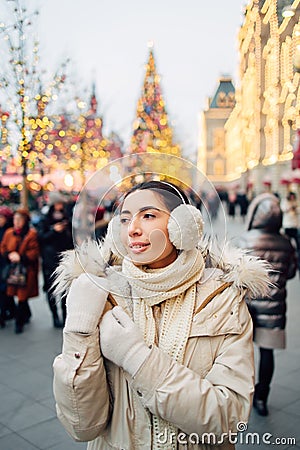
(199, 355)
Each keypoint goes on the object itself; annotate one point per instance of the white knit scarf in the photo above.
(175, 285)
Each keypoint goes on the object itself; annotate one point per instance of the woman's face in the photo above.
(19, 221)
(144, 233)
(2, 220)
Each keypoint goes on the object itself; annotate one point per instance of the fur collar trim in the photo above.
(244, 271)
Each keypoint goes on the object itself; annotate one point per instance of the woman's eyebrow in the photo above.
(144, 208)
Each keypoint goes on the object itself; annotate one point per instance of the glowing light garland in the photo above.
(151, 131)
(269, 98)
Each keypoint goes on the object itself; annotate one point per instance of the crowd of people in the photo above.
(23, 246)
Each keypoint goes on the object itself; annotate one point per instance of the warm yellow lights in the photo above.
(253, 163)
(286, 156)
(288, 11)
(297, 58)
(262, 126)
(269, 161)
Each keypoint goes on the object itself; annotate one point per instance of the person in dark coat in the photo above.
(101, 223)
(243, 203)
(231, 204)
(7, 303)
(263, 239)
(20, 244)
(55, 236)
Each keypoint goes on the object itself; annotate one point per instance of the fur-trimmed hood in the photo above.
(239, 268)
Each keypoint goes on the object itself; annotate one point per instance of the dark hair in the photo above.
(290, 195)
(24, 213)
(171, 195)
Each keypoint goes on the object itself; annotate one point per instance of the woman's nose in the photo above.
(134, 227)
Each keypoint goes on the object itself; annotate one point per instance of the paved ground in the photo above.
(27, 413)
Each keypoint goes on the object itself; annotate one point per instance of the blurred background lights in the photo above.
(68, 180)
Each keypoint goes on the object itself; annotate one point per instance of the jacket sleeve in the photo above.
(80, 387)
(3, 245)
(292, 266)
(213, 404)
(32, 250)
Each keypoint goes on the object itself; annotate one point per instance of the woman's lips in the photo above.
(138, 247)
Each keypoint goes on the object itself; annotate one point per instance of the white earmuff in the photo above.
(185, 224)
(185, 227)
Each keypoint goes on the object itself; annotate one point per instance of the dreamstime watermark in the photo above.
(242, 436)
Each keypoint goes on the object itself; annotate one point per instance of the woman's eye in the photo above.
(124, 220)
(149, 216)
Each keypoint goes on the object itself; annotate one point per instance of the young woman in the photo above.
(171, 366)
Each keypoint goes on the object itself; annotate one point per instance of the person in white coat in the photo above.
(171, 366)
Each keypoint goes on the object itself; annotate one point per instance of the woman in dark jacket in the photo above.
(20, 244)
(55, 236)
(263, 239)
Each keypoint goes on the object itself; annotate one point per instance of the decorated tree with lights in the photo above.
(5, 147)
(24, 93)
(152, 132)
(77, 143)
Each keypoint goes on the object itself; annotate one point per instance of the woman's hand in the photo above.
(85, 303)
(121, 341)
(14, 257)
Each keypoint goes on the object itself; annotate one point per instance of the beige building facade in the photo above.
(261, 130)
(212, 152)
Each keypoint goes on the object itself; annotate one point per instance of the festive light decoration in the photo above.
(47, 144)
(21, 90)
(5, 148)
(152, 134)
(151, 130)
(266, 117)
(242, 127)
(74, 143)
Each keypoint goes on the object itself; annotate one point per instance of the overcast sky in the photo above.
(195, 42)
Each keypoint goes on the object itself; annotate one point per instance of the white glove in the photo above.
(121, 341)
(85, 303)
